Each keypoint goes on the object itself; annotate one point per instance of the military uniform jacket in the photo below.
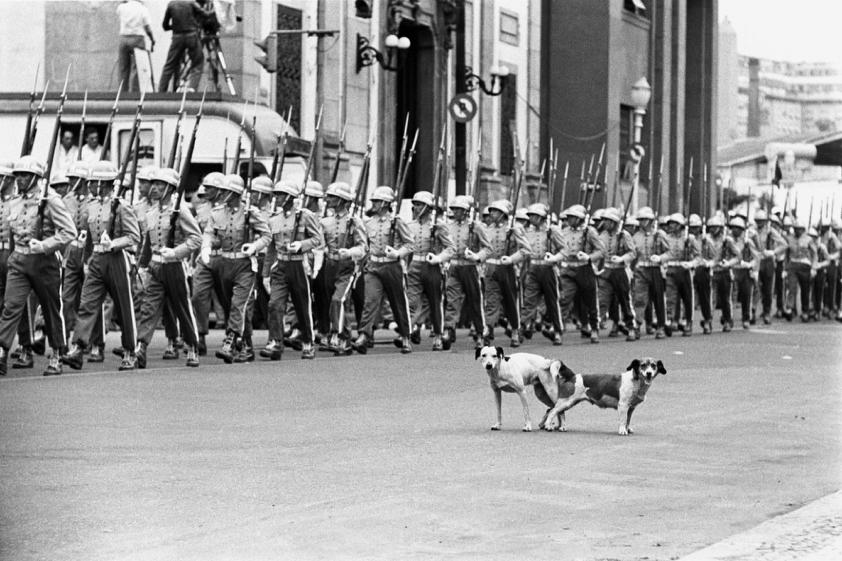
(618, 244)
(469, 235)
(378, 228)
(499, 236)
(141, 207)
(647, 244)
(722, 251)
(770, 239)
(281, 224)
(424, 242)
(5, 224)
(572, 244)
(96, 219)
(225, 229)
(679, 249)
(188, 235)
(832, 243)
(746, 252)
(204, 210)
(543, 240)
(336, 235)
(57, 228)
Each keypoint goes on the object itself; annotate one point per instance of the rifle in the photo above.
(581, 183)
(553, 177)
(82, 126)
(598, 168)
(307, 169)
(564, 185)
(38, 111)
(339, 152)
(106, 141)
(625, 216)
(133, 142)
(400, 188)
(475, 184)
(359, 193)
(590, 194)
(587, 184)
(615, 191)
(185, 170)
(437, 176)
(225, 156)
(247, 190)
(518, 182)
(239, 145)
(133, 179)
(176, 137)
(660, 183)
(24, 150)
(402, 153)
(687, 210)
(42, 205)
(280, 154)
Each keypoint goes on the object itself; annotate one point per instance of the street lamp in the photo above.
(367, 55)
(640, 94)
(498, 77)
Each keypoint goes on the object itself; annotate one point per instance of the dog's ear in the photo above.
(501, 354)
(635, 366)
(661, 369)
(477, 353)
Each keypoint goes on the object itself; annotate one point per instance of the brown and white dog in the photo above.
(514, 373)
(623, 392)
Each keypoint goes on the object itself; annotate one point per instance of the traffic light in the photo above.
(269, 45)
(363, 8)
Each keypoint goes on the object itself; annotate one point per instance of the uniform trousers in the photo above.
(745, 287)
(798, 278)
(542, 280)
(501, 295)
(233, 281)
(780, 286)
(289, 281)
(204, 283)
(335, 281)
(168, 319)
(649, 287)
(166, 284)
(578, 284)
(108, 274)
(615, 292)
(832, 277)
(702, 281)
(464, 292)
(426, 281)
(679, 293)
(40, 273)
(818, 290)
(71, 296)
(723, 282)
(257, 312)
(766, 284)
(385, 279)
(27, 320)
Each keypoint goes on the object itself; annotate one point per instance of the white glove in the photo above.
(768, 252)
(655, 259)
(506, 260)
(294, 247)
(249, 249)
(471, 255)
(344, 253)
(433, 259)
(168, 253)
(390, 252)
(267, 285)
(205, 255)
(106, 245)
(616, 259)
(582, 256)
(745, 264)
(36, 246)
(104, 238)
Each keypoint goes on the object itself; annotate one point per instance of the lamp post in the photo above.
(498, 78)
(640, 94)
(368, 55)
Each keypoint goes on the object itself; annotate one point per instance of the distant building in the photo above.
(728, 128)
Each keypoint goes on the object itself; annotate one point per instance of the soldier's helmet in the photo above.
(80, 170)
(146, 173)
(676, 218)
(58, 180)
(214, 179)
(461, 201)
(760, 215)
(287, 188)
(6, 168)
(201, 191)
(486, 210)
(737, 222)
(695, 221)
(645, 213)
(28, 164)
(775, 219)
(103, 171)
(314, 190)
(632, 221)
(538, 209)
(424, 198)
(777, 210)
(262, 185)
(788, 221)
(578, 211)
(383, 193)
(813, 232)
(166, 175)
(597, 215)
(836, 224)
(340, 190)
(502, 205)
(521, 214)
(612, 214)
(716, 221)
(233, 183)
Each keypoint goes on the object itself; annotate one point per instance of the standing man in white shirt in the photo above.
(66, 154)
(92, 150)
(134, 28)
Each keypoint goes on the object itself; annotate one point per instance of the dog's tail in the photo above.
(560, 371)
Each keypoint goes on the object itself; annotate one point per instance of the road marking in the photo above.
(811, 533)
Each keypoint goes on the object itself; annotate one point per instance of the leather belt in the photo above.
(463, 262)
(673, 263)
(158, 258)
(78, 243)
(24, 250)
(5, 245)
(648, 264)
(801, 262)
(541, 262)
(379, 259)
(290, 257)
(419, 258)
(615, 265)
(234, 254)
(337, 257)
(574, 263)
(100, 248)
(493, 261)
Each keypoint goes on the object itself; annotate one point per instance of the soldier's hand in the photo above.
(106, 246)
(344, 253)
(249, 249)
(36, 246)
(167, 253)
(813, 272)
(768, 253)
(471, 255)
(267, 285)
(506, 260)
(433, 259)
(294, 247)
(582, 256)
(655, 259)
(205, 255)
(390, 252)
(616, 259)
(745, 264)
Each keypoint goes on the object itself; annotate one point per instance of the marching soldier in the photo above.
(649, 243)
(432, 247)
(509, 247)
(680, 259)
(464, 286)
(203, 275)
(166, 279)
(228, 251)
(345, 246)
(545, 241)
(802, 258)
(743, 266)
(40, 227)
(582, 249)
(833, 246)
(389, 241)
(113, 223)
(722, 251)
(702, 276)
(615, 280)
(294, 234)
(773, 245)
(822, 261)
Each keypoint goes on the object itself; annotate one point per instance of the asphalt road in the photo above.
(384, 457)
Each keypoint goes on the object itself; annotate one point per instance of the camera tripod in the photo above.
(215, 60)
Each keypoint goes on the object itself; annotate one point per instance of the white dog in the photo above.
(514, 373)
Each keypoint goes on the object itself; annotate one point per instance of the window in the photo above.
(636, 7)
(509, 28)
(508, 117)
(626, 127)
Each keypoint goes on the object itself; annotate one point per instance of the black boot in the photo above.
(96, 355)
(171, 352)
(361, 344)
(246, 352)
(129, 361)
(53, 365)
(202, 347)
(74, 357)
(140, 353)
(4, 356)
(24, 359)
(192, 357)
(226, 353)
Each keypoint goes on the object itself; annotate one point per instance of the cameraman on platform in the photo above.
(185, 18)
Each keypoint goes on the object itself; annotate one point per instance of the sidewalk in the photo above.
(811, 533)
